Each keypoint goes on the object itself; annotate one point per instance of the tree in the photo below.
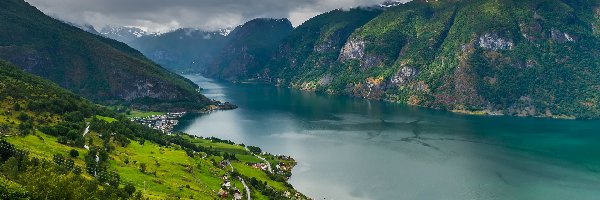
(77, 170)
(255, 150)
(129, 189)
(17, 107)
(74, 153)
(12, 190)
(69, 164)
(143, 167)
(23, 117)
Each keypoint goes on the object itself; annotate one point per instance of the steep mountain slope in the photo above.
(183, 49)
(249, 48)
(98, 68)
(56, 145)
(526, 58)
(529, 58)
(313, 46)
(85, 27)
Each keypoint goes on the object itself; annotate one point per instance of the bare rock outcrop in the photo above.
(353, 50)
(492, 41)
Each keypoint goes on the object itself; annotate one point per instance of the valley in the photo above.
(516, 58)
(416, 99)
(49, 134)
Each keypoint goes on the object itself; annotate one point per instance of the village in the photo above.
(282, 169)
(227, 188)
(164, 123)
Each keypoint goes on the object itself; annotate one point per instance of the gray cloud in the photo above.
(163, 15)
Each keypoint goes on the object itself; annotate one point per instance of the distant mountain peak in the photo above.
(124, 33)
(85, 27)
(225, 31)
(392, 3)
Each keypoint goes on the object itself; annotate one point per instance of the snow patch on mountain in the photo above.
(389, 4)
(124, 33)
(225, 31)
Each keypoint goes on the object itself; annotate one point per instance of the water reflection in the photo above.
(360, 149)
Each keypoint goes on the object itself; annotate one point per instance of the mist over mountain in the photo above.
(183, 49)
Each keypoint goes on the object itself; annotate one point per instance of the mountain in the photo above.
(389, 4)
(124, 34)
(85, 27)
(95, 67)
(524, 58)
(249, 48)
(315, 45)
(55, 144)
(184, 49)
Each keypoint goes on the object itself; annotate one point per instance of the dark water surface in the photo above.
(360, 149)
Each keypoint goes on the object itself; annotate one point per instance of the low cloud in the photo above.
(164, 15)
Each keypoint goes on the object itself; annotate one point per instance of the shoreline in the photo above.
(483, 112)
(488, 113)
(284, 165)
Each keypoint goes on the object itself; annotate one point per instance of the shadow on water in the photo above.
(505, 148)
(568, 140)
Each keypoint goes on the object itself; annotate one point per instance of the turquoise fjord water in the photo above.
(359, 149)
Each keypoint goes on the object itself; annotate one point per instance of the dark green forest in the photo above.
(100, 69)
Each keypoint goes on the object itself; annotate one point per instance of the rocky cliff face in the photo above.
(496, 57)
(353, 50)
(493, 42)
(525, 58)
(315, 46)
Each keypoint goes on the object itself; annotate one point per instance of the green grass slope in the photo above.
(46, 153)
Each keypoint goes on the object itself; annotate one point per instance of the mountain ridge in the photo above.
(98, 68)
(182, 49)
(521, 58)
(249, 48)
(58, 145)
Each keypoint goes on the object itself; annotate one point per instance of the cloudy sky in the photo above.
(164, 15)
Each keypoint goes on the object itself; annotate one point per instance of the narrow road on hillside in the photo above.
(87, 129)
(246, 187)
(242, 180)
(263, 159)
(230, 165)
(85, 132)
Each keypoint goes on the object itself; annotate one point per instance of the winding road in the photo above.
(263, 159)
(85, 132)
(246, 187)
(243, 182)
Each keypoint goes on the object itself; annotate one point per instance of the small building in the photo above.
(227, 184)
(237, 195)
(222, 193)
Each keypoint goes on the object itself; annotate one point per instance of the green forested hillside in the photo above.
(315, 45)
(57, 145)
(526, 58)
(100, 69)
(249, 48)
